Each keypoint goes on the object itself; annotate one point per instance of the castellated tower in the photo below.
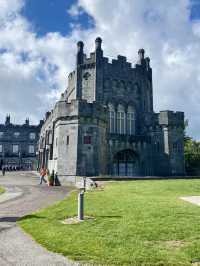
(104, 123)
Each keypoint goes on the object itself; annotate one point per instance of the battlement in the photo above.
(120, 61)
(77, 108)
(170, 118)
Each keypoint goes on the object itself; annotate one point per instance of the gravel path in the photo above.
(24, 195)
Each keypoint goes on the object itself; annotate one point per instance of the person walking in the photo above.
(3, 170)
(42, 175)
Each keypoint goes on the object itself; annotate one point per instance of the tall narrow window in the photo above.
(121, 124)
(15, 148)
(87, 140)
(130, 121)
(16, 134)
(111, 119)
(31, 149)
(32, 135)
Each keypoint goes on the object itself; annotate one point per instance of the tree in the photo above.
(192, 154)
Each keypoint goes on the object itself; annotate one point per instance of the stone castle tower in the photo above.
(104, 123)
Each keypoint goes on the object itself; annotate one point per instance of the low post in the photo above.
(81, 205)
(84, 183)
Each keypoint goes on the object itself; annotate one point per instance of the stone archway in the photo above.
(126, 163)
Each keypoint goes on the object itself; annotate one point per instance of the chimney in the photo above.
(7, 122)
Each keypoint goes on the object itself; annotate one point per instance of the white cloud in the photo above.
(166, 32)
(33, 70)
(75, 11)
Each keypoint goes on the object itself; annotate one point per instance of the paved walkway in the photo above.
(24, 195)
(192, 199)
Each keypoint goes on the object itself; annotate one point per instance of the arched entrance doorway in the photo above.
(126, 163)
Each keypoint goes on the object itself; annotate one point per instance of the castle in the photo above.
(18, 145)
(104, 123)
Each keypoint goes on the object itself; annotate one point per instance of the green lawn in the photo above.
(136, 223)
(2, 190)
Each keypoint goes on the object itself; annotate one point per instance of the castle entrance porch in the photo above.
(126, 163)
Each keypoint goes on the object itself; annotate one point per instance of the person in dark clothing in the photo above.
(56, 180)
(3, 170)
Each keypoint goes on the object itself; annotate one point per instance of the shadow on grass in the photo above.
(108, 216)
(31, 216)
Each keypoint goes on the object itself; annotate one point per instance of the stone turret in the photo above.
(147, 59)
(80, 54)
(78, 75)
(27, 122)
(98, 49)
(141, 53)
(98, 43)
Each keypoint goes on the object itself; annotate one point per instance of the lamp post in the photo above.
(3, 156)
(82, 189)
(37, 160)
(19, 154)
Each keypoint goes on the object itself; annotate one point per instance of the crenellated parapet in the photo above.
(120, 62)
(170, 118)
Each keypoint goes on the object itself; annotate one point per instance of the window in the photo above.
(1, 134)
(177, 147)
(31, 149)
(32, 135)
(67, 140)
(130, 121)
(87, 140)
(15, 148)
(121, 126)
(157, 146)
(16, 134)
(50, 138)
(180, 147)
(111, 118)
(1, 148)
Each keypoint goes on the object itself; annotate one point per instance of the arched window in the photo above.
(121, 124)
(111, 118)
(130, 121)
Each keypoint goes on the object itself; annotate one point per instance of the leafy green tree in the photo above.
(192, 154)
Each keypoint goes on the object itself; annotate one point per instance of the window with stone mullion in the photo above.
(121, 124)
(112, 121)
(130, 123)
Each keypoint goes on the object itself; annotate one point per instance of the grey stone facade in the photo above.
(104, 123)
(18, 144)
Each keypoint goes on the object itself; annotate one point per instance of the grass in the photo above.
(2, 190)
(136, 223)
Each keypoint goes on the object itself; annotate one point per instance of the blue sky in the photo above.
(195, 10)
(52, 16)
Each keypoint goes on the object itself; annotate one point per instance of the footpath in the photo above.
(23, 195)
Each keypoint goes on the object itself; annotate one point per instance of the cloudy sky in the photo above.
(38, 45)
